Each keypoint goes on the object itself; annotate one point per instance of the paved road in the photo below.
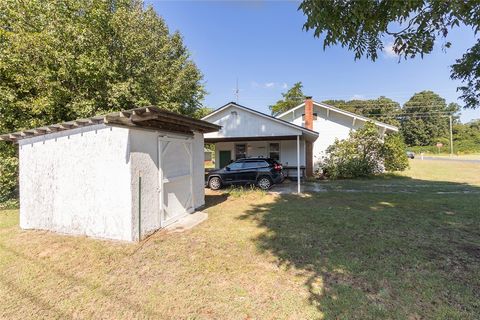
(447, 159)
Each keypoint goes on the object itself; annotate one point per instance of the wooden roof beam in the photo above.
(143, 117)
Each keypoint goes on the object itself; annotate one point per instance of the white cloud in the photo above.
(357, 97)
(269, 85)
(388, 50)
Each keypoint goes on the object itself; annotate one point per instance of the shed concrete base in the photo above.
(187, 222)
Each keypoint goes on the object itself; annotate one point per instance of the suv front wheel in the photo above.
(215, 183)
(264, 183)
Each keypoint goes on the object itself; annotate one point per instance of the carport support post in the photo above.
(298, 164)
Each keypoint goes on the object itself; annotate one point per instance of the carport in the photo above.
(248, 133)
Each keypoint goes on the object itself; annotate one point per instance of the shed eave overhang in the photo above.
(152, 118)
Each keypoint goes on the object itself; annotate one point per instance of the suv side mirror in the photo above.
(227, 168)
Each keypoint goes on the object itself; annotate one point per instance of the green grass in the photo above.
(396, 247)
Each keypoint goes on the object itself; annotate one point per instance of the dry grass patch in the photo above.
(385, 248)
(212, 271)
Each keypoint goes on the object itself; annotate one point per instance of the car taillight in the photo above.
(277, 167)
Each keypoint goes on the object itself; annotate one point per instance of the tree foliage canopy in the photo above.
(381, 109)
(66, 59)
(427, 119)
(364, 27)
(292, 98)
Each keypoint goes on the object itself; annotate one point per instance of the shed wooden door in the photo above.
(176, 178)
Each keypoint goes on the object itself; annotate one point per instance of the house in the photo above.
(120, 176)
(307, 129)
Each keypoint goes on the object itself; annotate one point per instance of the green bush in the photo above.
(356, 156)
(393, 151)
(364, 154)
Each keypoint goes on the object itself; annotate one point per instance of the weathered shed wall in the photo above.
(198, 170)
(144, 164)
(77, 182)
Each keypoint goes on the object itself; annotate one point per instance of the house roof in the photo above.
(261, 114)
(152, 118)
(344, 112)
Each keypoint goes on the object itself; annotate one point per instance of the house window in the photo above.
(240, 151)
(314, 116)
(275, 151)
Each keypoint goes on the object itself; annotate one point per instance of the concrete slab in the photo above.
(187, 222)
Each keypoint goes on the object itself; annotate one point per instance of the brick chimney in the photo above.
(308, 144)
(309, 113)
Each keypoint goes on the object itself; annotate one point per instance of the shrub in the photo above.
(364, 154)
(393, 150)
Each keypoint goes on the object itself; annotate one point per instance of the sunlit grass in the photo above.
(383, 248)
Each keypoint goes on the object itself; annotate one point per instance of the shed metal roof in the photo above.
(152, 118)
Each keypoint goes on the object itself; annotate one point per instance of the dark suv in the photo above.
(263, 172)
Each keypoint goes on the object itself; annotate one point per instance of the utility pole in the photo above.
(451, 136)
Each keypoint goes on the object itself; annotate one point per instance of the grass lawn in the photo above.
(398, 247)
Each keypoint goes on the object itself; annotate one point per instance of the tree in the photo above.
(292, 98)
(365, 26)
(66, 59)
(202, 112)
(466, 137)
(76, 58)
(425, 119)
(381, 109)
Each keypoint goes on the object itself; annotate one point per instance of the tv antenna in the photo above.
(237, 92)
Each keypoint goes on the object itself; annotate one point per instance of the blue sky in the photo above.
(263, 45)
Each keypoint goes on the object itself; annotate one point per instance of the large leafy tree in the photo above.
(75, 58)
(365, 26)
(425, 119)
(65, 59)
(381, 109)
(290, 99)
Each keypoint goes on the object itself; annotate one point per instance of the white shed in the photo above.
(120, 176)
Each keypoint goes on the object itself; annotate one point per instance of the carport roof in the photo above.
(310, 135)
(152, 118)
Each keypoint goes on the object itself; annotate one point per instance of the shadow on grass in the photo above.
(212, 200)
(406, 249)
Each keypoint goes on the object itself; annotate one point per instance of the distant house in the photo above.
(297, 138)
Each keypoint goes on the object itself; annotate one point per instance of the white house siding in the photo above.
(77, 182)
(288, 150)
(330, 127)
(247, 124)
